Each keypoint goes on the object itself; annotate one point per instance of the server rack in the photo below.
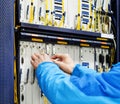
(26, 32)
(53, 31)
(8, 99)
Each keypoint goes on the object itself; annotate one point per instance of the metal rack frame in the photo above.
(118, 31)
(63, 31)
(6, 52)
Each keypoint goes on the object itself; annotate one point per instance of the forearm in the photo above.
(79, 71)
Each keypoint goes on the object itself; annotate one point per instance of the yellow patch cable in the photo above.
(89, 27)
(78, 26)
(41, 17)
(106, 23)
(90, 6)
(31, 16)
(93, 21)
(50, 22)
(103, 23)
(96, 21)
(99, 21)
(47, 12)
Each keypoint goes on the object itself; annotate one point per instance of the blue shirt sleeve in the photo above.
(97, 84)
(58, 88)
(79, 71)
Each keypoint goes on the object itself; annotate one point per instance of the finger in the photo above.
(66, 68)
(57, 56)
(37, 55)
(41, 56)
(62, 66)
(54, 57)
(57, 59)
(33, 64)
(46, 56)
(59, 63)
(33, 57)
(60, 56)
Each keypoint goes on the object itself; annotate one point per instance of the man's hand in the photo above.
(36, 59)
(64, 61)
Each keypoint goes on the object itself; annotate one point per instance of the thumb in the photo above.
(63, 66)
(59, 63)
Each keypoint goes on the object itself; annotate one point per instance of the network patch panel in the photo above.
(86, 15)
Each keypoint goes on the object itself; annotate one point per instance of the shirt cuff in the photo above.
(77, 71)
(41, 66)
